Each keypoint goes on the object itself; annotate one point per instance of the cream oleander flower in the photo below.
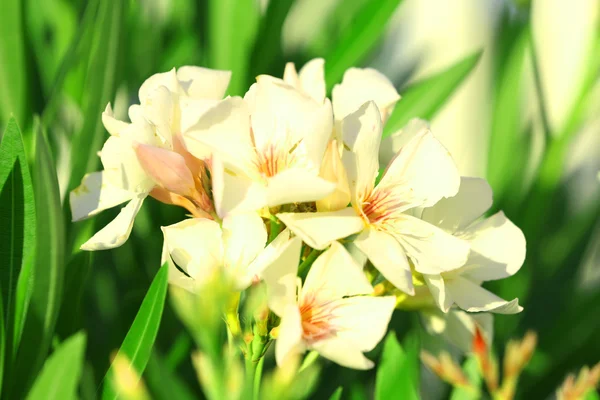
(358, 86)
(269, 146)
(458, 327)
(497, 250)
(147, 156)
(195, 249)
(330, 312)
(420, 174)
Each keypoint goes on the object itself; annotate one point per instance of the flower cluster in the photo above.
(284, 189)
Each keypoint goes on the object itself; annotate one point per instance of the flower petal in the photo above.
(233, 193)
(282, 113)
(167, 168)
(360, 85)
(436, 286)
(296, 185)
(280, 277)
(458, 327)
(111, 124)
(225, 129)
(388, 257)
(203, 83)
(244, 237)
(361, 132)
(196, 246)
(312, 79)
(454, 214)
(363, 320)
(95, 194)
(342, 352)
(167, 79)
(335, 274)
(393, 143)
(175, 275)
(431, 249)
(333, 170)
(118, 230)
(497, 249)
(159, 111)
(423, 171)
(319, 229)
(289, 342)
(473, 298)
(268, 255)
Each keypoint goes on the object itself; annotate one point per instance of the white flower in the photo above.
(497, 250)
(269, 147)
(198, 248)
(458, 327)
(420, 174)
(327, 314)
(147, 156)
(358, 86)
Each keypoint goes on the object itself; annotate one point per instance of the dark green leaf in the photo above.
(60, 376)
(48, 272)
(17, 236)
(101, 83)
(267, 46)
(507, 132)
(139, 341)
(398, 372)
(2, 339)
(337, 395)
(13, 75)
(425, 98)
(358, 38)
(232, 29)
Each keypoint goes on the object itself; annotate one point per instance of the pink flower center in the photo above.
(317, 318)
(382, 205)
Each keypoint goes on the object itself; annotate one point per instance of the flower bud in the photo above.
(333, 170)
(167, 168)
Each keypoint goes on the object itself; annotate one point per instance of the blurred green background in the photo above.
(510, 87)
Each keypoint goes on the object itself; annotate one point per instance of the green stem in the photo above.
(303, 267)
(258, 377)
(309, 360)
(275, 228)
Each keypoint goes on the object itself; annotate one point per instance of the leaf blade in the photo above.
(62, 370)
(425, 98)
(137, 345)
(397, 374)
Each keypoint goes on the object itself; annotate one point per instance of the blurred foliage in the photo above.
(62, 61)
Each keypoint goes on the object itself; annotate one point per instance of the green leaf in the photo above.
(101, 80)
(507, 132)
(471, 369)
(2, 339)
(358, 38)
(139, 341)
(337, 395)
(60, 376)
(48, 272)
(267, 46)
(398, 372)
(13, 71)
(232, 29)
(425, 98)
(17, 236)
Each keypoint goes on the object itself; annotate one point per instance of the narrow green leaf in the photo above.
(13, 73)
(17, 236)
(471, 369)
(101, 81)
(60, 376)
(425, 98)
(507, 132)
(337, 395)
(358, 38)
(139, 341)
(232, 29)
(398, 372)
(267, 46)
(48, 272)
